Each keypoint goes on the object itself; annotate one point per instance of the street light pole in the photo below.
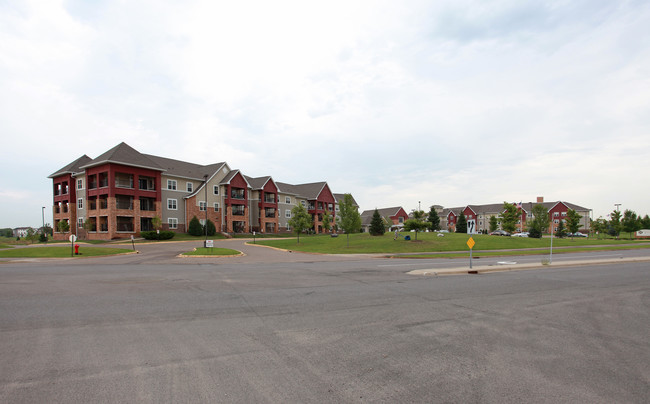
(45, 234)
(205, 177)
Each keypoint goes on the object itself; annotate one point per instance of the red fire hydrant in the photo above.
(76, 249)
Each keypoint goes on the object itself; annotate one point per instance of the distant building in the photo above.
(395, 216)
(22, 231)
(481, 214)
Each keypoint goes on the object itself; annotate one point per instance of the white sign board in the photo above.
(72, 238)
(209, 243)
(471, 226)
(643, 233)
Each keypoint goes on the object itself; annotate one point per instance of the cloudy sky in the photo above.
(432, 102)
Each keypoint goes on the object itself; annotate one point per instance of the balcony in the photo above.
(269, 198)
(123, 180)
(269, 212)
(238, 210)
(237, 193)
(124, 202)
(148, 204)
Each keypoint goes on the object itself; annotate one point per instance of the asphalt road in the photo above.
(288, 327)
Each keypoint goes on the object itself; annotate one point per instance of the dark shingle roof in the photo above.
(72, 168)
(308, 191)
(383, 212)
(339, 199)
(127, 155)
(184, 169)
(259, 182)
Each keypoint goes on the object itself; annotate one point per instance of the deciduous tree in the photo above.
(573, 221)
(416, 222)
(300, 220)
(509, 217)
(349, 217)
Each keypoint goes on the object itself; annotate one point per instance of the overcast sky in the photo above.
(399, 103)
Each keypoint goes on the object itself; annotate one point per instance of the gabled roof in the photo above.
(339, 199)
(259, 182)
(231, 175)
(72, 168)
(383, 212)
(308, 191)
(184, 169)
(126, 155)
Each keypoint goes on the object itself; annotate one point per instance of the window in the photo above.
(400, 219)
(123, 180)
(80, 184)
(303, 203)
(215, 190)
(171, 204)
(124, 202)
(190, 187)
(202, 206)
(80, 222)
(238, 210)
(80, 203)
(287, 214)
(147, 183)
(173, 223)
(563, 214)
(556, 214)
(287, 199)
(237, 193)
(171, 185)
(124, 223)
(216, 206)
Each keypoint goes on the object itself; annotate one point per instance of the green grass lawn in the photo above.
(429, 242)
(59, 252)
(213, 251)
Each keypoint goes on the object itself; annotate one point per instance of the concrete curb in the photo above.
(478, 269)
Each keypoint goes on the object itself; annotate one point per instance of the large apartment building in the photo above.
(119, 193)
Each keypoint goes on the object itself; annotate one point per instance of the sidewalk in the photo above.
(513, 266)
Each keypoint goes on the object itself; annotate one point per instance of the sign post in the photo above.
(470, 244)
(72, 239)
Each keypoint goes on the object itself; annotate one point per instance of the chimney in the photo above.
(540, 199)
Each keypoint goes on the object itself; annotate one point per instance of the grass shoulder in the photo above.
(363, 243)
(60, 252)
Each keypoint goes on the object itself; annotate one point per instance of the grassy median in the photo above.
(60, 252)
(213, 251)
(431, 242)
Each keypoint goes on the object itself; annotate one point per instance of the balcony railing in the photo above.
(269, 212)
(238, 210)
(269, 198)
(237, 194)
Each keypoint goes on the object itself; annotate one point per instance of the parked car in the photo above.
(522, 234)
(577, 234)
(499, 233)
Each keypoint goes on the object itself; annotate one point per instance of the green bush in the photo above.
(154, 235)
(195, 228)
(212, 230)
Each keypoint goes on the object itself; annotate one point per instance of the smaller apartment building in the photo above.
(119, 193)
(478, 216)
(395, 217)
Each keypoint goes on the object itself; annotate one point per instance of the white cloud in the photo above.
(446, 102)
